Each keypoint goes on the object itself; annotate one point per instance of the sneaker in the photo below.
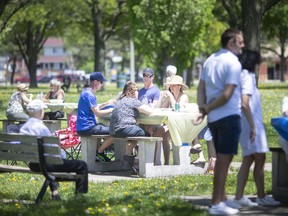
(268, 201)
(101, 157)
(230, 203)
(244, 201)
(222, 209)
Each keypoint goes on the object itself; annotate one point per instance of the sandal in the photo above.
(196, 149)
(211, 166)
(198, 163)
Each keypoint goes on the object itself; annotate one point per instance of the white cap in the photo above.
(36, 105)
(171, 70)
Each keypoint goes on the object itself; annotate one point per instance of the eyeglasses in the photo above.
(147, 75)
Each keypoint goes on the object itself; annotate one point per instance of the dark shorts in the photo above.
(226, 133)
(55, 115)
(98, 129)
(130, 131)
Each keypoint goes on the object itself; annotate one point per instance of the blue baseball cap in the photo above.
(97, 76)
(148, 71)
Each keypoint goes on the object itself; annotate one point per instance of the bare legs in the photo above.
(258, 173)
(220, 175)
(164, 133)
(107, 142)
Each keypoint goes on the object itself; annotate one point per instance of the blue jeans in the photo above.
(134, 130)
(98, 129)
(226, 133)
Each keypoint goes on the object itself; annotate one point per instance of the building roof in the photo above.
(53, 42)
(53, 59)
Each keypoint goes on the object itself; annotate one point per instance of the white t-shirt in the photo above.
(220, 69)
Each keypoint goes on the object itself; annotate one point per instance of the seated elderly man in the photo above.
(35, 126)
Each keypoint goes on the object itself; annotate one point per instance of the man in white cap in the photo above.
(35, 126)
(89, 109)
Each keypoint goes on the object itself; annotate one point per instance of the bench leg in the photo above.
(181, 155)
(146, 157)
(42, 191)
(89, 147)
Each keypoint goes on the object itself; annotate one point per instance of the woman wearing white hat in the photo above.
(16, 109)
(174, 93)
(168, 99)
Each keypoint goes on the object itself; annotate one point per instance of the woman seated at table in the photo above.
(173, 94)
(16, 109)
(55, 93)
(123, 119)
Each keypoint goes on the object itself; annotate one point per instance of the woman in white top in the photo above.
(253, 136)
(168, 99)
(55, 93)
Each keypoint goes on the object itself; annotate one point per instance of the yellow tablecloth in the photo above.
(180, 124)
(66, 107)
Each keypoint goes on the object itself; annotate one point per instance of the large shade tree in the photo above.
(30, 27)
(275, 25)
(169, 32)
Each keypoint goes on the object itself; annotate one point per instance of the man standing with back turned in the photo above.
(219, 97)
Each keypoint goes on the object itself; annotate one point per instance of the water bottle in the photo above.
(177, 107)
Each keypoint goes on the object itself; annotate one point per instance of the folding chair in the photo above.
(69, 141)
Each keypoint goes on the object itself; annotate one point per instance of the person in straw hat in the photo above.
(16, 109)
(173, 94)
(55, 93)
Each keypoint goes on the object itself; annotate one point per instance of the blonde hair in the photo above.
(55, 82)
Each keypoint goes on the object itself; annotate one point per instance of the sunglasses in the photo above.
(147, 75)
(100, 81)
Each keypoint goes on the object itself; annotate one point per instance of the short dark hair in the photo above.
(249, 59)
(229, 34)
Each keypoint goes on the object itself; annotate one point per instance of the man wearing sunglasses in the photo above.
(150, 93)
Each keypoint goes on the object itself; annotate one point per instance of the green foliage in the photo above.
(275, 21)
(158, 25)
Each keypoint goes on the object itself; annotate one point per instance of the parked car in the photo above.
(45, 79)
(25, 79)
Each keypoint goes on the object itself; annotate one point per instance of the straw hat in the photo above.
(176, 80)
(22, 87)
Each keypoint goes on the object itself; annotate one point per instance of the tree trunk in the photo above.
(98, 41)
(282, 59)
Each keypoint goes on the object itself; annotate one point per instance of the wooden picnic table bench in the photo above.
(53, 125)
(146, 155)
(42, 150)
(279, 174)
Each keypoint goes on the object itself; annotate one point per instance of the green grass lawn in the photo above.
(135, 197)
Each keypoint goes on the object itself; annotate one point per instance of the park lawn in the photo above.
(157, 196)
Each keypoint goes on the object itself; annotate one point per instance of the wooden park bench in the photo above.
(42, 150)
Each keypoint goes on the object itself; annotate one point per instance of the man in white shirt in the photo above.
(35, 126)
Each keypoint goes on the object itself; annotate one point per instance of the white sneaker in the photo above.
(244, 201)
(222, 209)
(268, 201)
(232, 204)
